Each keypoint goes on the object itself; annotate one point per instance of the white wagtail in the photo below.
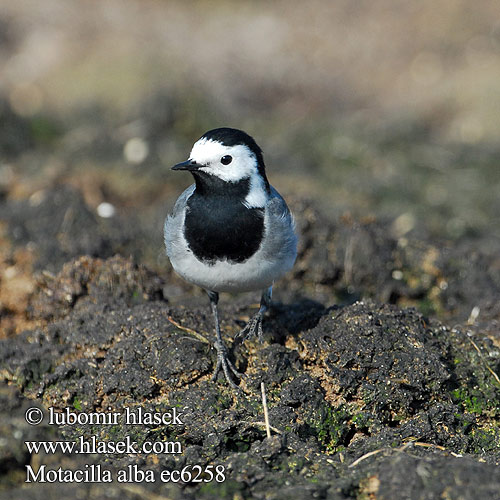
(230, 231)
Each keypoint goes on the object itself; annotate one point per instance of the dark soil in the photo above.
(376, 385)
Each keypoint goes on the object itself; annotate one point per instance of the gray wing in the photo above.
(281, 241)
(172, 230)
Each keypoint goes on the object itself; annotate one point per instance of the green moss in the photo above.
(478, 392)
(362, 420)
(485, 440)
(330, 426)
(476, 401)
(471, 403)
(77, 404)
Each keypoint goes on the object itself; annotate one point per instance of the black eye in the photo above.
(226, 160)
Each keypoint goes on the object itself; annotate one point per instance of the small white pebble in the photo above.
(136, 150)
(106, 210)
(397, 274)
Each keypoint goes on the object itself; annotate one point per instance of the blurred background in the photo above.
(387, 109)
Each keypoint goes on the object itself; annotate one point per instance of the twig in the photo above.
(367, 455)
(189, 330)
(403, 448)
(264, 405)
(428, 445)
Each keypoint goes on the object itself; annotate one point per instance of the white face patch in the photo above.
(209, 153)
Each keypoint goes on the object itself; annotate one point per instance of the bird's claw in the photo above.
(226, 365)
(252, 328)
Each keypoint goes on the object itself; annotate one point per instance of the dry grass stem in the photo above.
(264, 405)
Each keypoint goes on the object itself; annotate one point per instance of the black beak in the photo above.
(190, 165)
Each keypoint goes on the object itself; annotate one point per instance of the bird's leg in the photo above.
(222, 359)
(254, 326)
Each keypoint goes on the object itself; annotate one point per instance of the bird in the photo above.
(230, 231)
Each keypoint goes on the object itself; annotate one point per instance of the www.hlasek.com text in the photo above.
(93, 446)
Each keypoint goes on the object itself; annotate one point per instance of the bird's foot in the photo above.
(253, 327)
(226, 365)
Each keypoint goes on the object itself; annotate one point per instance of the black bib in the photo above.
(218, 226)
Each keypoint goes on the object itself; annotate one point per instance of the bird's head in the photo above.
(228, 154)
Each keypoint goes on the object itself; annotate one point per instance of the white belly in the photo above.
(253, 274)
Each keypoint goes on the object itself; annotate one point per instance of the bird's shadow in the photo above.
(283, 320)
